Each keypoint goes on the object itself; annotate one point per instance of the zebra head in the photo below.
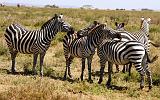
(57, 23)
(119, 26)
(110, 35)
(63, 26)
(145, 25)
(85, 31)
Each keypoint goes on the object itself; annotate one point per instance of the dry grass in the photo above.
(51, 86)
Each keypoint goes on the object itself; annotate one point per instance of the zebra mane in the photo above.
(46, 23)
(71, 31)
(94, 29)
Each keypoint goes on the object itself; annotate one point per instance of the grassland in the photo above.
(51, 87)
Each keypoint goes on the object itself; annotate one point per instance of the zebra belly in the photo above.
(23, 45)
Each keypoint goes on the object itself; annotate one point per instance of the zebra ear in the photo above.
(142, 18)
(122, 24)
(149, 19)
(55, 16)
(116, 23)
(61, 15)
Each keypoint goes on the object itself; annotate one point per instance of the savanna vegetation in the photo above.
(24, 86)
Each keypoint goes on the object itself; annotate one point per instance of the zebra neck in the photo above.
(95, 39)
(145, 28)
(49, 34)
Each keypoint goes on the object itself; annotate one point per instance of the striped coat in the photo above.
(33, 42)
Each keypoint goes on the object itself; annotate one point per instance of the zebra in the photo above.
(33, 42)
(83, 48)
(141, 36)
(72, 35)
(121, 53)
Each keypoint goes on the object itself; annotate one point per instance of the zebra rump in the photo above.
(121, 53)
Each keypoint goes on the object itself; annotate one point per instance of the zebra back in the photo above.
(34, 41)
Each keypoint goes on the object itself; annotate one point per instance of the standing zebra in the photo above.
(121, 53)
(141, 36)
(84, 48)
(72, 36)
(33, 42)
(120, 27)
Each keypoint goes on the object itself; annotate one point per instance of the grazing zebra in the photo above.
(72, 35)
(121, 53)
(141, 36)
(33, 42)
(85, 48)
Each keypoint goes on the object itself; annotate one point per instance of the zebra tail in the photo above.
(154, 44)
(151, 60)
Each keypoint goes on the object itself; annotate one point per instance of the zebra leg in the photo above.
(117, 68)
(89, 59)
(149, 77)
(101, 73)
(65, 73)
(102, 65)
(41, 63)
(34, 63)
(124, 69)
(83, 67)
(142, 73)
(13, 57)
(140, 69)
(129, 69)
(69, 63)
(109, 74)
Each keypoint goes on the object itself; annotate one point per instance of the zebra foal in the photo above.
(33, 42)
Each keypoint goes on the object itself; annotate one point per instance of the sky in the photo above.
(101, 4)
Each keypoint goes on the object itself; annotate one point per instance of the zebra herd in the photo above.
(118, 46)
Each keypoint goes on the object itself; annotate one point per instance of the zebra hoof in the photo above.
(90, 81)
(33, 73)
(41, 75)
(70, 76)
(100, 81)
(13, 71)
(64, 78)
(141, 87)
(150, 87)
(108, 85)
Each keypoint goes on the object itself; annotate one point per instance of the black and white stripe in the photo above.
(121, 53)
(33, 42)
(71, 36)
(84, 48)
(141, 35)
